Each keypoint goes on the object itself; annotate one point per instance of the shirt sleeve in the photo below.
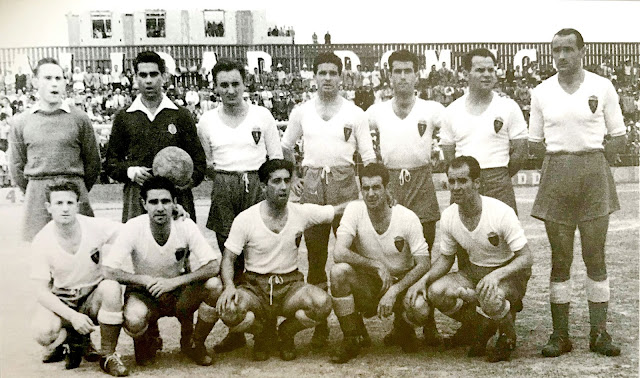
(612, 113)
(271, 135)
(349, 221)
(447, 137)
(40, 269)
(415, 236)
(90, 153)
(512, 231)
(448, 244)
(536, 120)
(517, 124)
(316, 214)
(205, 139)
(17, 153)
(363, 137)
(190, 142)
(119, 255)
(199, 247)
(294, 129)
(116, 163)
(237, 236)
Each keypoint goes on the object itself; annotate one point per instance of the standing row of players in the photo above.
(237, 139)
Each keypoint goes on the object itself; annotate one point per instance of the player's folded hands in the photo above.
(229, 296)
(385, 306)
(419, 289)
(162, 286)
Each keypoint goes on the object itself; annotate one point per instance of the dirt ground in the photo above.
(20, 355)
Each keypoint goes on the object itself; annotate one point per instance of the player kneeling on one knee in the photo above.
(380, 252)
(72, 295)
(269, 234)
(494, 265)
(174, 274)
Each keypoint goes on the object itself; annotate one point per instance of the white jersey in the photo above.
(266, 252)
(72, 271)
(406, 143)
(330, 143)
(575, 122)
(492, 243)
(243, 148)
(396, 247)
(136, 245)
(486, 136)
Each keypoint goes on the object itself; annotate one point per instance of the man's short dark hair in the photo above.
(270, 166)
(327, 57)
(404, 56)
(569, 31)
(471, 162)
(373, 170)
(61, 186)
(158, 182)
(44, 61)
(149, 57)
(226, 65)
(481, 52)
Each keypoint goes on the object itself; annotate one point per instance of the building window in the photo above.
(156, 24)
(101, 25)
(214, 23)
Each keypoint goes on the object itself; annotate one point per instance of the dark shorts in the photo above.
(231, 194)
(79, 300)
(514, 287)
(575, 188)
(496, 183)
(337, 186)
(368, 294)
(185, 299)
(417, 193)
(272, 290)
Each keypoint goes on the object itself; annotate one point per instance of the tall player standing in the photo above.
(333, 129)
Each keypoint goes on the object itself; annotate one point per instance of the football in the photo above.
(175, 164)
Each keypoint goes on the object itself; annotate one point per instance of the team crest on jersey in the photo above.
(256, 134)
(399, 242)
(182, 253)
(593, 103)
(497, 124)
(172, 129)
(347, 132)
(494, 239)
(95, 255)
(298, 239)
(422, 127)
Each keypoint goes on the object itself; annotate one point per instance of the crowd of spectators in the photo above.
(103, 91)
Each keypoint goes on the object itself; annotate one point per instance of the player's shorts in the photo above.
(272, 290)
(496, 183)
(575, 188)
(414, 189)
(329, 185)
(368, 293)
(77, 299)
(36, 215)
(185, 299)
(514, 287)
(231, 194)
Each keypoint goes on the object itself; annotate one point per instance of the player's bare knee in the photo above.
(437, 292)
(340, 275)
(111, 295)
(214, 287)
(136, 318)
(233, 315)
(45, 334)
(321, 305)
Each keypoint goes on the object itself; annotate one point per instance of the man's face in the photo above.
(149, 80)
(373, 192)
(159, 205)
(566, 54)
(482, 75)
(403, 77)
(327, 78)
(230, 87)
(63, 206)
(462, 188)
(50, 82)
(277, 187)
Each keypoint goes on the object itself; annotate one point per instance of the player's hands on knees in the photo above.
(228, 297)
(385, 277)
(417, 290)
(82, 323)
(163, 286)
(385, 306)
(180, 213)
(139, 174)
(488, 286)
